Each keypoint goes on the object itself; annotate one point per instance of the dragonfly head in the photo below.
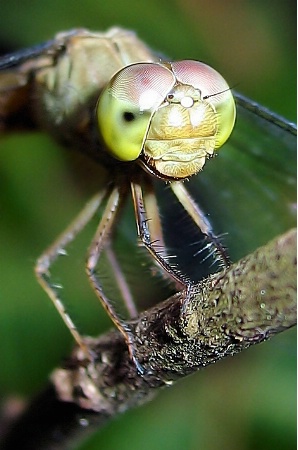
(169, 117)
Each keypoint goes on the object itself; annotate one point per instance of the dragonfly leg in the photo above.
(45, 261)
(155, 229)
(201, 221)
(122, 283)
(100, 242)
(152, 212)
(145, 236)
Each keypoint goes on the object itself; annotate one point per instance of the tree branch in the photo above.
(221, 316)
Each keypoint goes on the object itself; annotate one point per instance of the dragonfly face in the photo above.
(171, 116)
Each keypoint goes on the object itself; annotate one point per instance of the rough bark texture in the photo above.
(219, 317)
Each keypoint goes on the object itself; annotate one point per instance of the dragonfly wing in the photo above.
(249, 189)
(263, 115)
(16, 59)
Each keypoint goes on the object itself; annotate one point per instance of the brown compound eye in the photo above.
(126, 105)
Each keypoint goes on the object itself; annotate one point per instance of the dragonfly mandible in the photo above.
(108, 95)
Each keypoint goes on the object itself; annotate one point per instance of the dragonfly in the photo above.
(141, 116)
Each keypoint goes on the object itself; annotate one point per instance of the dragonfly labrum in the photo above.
(109, 96)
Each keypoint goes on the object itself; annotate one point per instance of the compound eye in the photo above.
(214, 90)
(126, 105)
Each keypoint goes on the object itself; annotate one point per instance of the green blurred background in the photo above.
(244, 403)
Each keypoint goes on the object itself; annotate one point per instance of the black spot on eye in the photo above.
(128, 116)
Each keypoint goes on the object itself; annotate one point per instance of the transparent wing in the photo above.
(249, 189)
(263, 115)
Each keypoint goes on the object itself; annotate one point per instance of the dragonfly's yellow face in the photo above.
(169, 116)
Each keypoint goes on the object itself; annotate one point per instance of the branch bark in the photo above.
(221, 316)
